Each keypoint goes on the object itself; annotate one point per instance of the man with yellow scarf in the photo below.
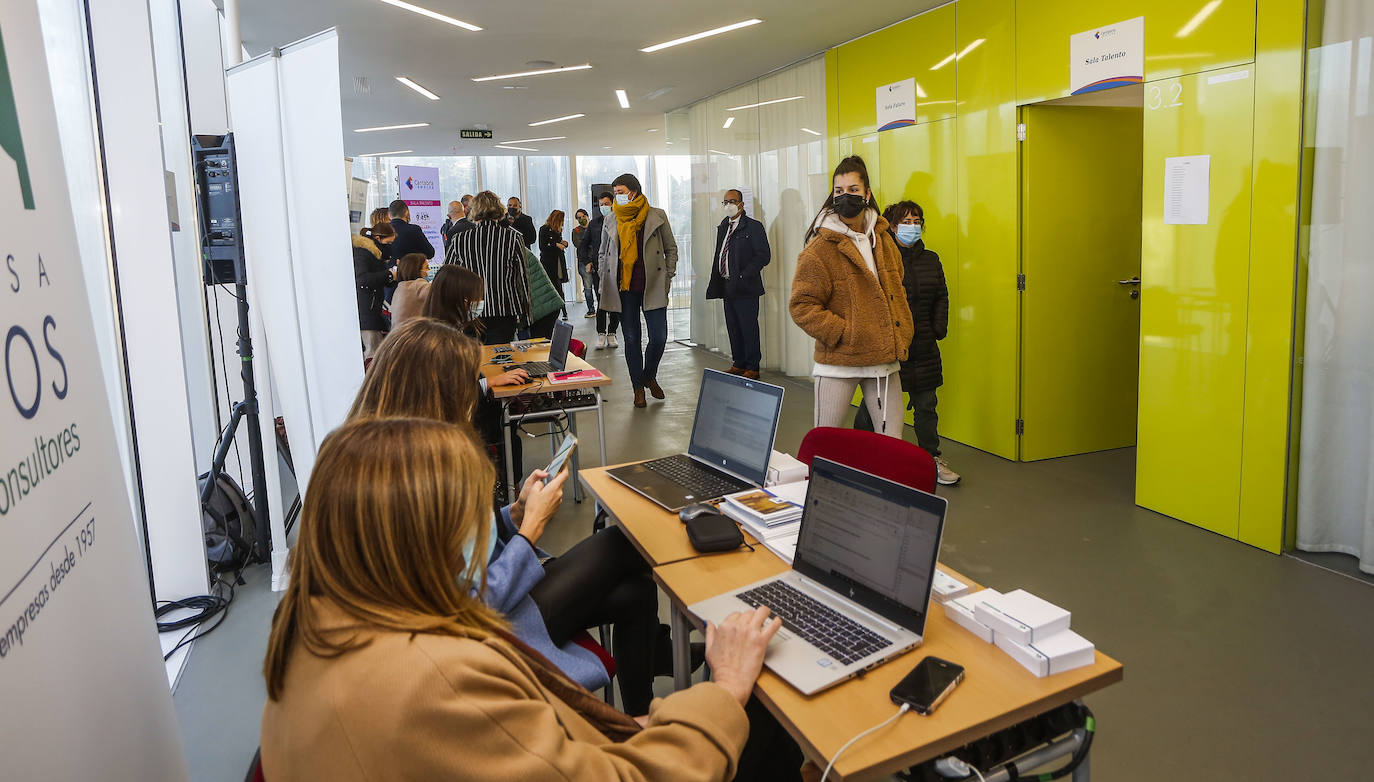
(637, 262)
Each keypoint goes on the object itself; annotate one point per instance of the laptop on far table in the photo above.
(859, 590)
(732, 441)
(558, 353)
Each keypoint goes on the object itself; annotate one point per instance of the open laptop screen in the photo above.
(736, 421)
(872, 540)
(558, 350)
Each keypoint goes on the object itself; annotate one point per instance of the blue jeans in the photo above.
(642, 366)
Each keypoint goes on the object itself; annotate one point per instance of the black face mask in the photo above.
(514, 211)
(848, 205)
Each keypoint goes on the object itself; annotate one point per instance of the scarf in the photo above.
(613, 723)
(629, 221)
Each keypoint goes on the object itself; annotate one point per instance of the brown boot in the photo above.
(734, 370)
(654, 387)
(751, 374)
(639, 397)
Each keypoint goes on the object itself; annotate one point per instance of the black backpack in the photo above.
(229, 526)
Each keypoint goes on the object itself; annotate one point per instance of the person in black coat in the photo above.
(736, 277)
(551, 254)
(410, 238)
(520, 221)
(371, 275)
(588, 251)
(928, 296)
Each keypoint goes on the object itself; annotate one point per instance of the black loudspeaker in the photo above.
(217, 194)
(597, 190)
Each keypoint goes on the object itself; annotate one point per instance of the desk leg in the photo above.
(1081, 774)
(682, 647)
(601, 426)
(512, 491)
(576, 462)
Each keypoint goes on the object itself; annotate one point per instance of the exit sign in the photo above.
(474, 134)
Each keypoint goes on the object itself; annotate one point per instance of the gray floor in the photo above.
(1239, 664)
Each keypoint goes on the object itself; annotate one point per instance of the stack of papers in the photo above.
(772, 515)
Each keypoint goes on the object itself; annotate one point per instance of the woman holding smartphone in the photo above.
(847, 294)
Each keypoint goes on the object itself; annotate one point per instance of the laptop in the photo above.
(558, 353)
(732, 441)
(859, 590)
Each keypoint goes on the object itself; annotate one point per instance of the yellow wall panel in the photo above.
(1194, 305)
(1224, 36)
(1273, 263)
(908, 49)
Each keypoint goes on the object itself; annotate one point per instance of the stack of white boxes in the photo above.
(1034, 632)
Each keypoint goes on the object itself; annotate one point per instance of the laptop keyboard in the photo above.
(701, 483)
(537, 368)
(825, 628)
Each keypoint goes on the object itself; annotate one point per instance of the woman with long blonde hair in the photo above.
(601, 580)
(382, 664)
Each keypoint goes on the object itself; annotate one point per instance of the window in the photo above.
(501, 175)
(603, 169)
(546, 189)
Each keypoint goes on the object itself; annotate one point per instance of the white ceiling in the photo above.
(380, 42)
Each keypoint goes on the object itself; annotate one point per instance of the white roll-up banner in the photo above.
(83, 690)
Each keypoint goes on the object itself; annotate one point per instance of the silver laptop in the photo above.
(859, 589)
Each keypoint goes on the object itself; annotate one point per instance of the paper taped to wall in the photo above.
(1187, 188)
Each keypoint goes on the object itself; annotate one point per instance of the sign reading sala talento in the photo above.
(83, 691)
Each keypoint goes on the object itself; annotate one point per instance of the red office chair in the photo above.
(577, 347)
(887, 457)
(584, 639)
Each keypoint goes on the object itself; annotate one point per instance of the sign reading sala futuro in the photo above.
(83, 691)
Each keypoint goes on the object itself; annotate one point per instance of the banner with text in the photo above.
(1107, 57)
(419, 188)
(82, 682)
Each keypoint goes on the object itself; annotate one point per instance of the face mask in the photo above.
(848, 205)
(581, 221)
(606, 210)
(622, 198)
(513, 211)
(731, 210)
(470, 546)
(475, 309)
(908, 234)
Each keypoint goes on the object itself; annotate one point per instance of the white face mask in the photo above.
(622, 198)
(731, 210)
(605, 210)
(475, 309)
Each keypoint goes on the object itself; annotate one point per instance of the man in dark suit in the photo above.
(520, 221)
(451, 222)
(409, 238)
(741, 253)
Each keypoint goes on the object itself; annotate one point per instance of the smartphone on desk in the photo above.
(929, 683)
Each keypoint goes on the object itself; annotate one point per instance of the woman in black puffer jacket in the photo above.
(371, 274)
(928, 296)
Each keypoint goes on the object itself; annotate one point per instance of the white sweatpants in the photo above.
(882, 395)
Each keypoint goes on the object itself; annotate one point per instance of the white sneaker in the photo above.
(944, 475)
(600, 341)
(614, 344)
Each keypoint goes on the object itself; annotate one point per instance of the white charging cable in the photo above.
(953, 768)
(905, 708)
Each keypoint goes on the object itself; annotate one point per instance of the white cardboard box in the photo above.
(961, 610)
(784, 468)
(1063, 651)
(947, 587)
(1021, 616)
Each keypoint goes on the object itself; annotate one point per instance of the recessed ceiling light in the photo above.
(698, 36)
(651, 130)
(623, 98)
(812, 132)
(765, 103)
(522, 149)
(555, 119)
(718, 152)
(433, 15)
(411, 84)
(605, 147)
(532, 140)
(658, 93)
(542, 72)
(393, 152)
(392, 127)
(728, 122)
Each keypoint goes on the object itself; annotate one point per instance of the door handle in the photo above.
(1132, 281)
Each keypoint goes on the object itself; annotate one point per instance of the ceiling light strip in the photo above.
(393, 152)
(392, 127)
(407, 81)
(1197, 20)
(533, 140)
(623, 98)
(765, 103)
(812, 132)
(522, 149)
(728, 122)
(704, 34)
(542, 72)
(433, 15)
(556, 119)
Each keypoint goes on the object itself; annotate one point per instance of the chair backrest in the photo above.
(887, 457)
(577, 347)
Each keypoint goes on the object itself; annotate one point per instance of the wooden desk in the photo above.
(657, 534)
(507, 394)
(996, 693)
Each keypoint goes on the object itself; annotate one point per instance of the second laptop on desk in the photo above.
(732, 441)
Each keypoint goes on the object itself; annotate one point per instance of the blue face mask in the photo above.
(622, 198)
(475, 309)
(606, 210)
(908, 234)
(471, 545)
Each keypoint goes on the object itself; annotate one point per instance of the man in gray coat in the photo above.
(637, 261)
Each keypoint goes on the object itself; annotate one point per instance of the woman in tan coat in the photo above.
(381, 664)
(847, 293)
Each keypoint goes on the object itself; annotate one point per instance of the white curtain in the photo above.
(1336, 468)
